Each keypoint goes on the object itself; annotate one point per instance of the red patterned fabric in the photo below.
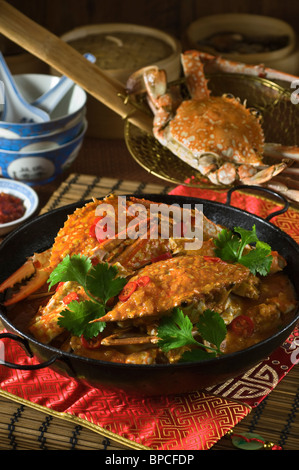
(192, 421)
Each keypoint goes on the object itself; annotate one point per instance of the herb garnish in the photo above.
(230, 247)
(176, 331)
(100, 284)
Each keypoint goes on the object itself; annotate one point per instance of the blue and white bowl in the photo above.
(45, 141)
(40, 166)
(31, 87)
(24, 192)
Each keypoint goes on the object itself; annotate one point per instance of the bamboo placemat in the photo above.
(80, 187)
(25, 427)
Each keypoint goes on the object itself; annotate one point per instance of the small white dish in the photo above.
(24, 192)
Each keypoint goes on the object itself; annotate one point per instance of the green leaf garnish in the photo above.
(212, 328)
(77, 317)
(100, 284)
(73, 268)
(230, 247)
(176, 331)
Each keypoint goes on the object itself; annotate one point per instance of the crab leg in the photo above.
(226, 174)
(31, 276)
(219, 64)
(210, 229)
(161, 102)
(120, 339)
(281, 151)
(111, 247)
(280, 186)
(142, 251)
(194, 74)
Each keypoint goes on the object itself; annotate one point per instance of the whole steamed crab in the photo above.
(216, 135)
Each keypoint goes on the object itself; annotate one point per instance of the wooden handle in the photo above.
(64, 58)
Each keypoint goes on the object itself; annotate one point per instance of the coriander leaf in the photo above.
(212, 327)
(227, 245)
(197, 355)
(102, 282)
(77, 317)
(258, 260)
(73, 268)
(175, 331)
(230, 247)
(247, 236)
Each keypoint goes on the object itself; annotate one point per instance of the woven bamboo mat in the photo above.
(24, 427)
(80, 187)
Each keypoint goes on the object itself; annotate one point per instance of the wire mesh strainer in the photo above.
(280, 120)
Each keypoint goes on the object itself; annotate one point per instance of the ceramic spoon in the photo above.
(16, 109)
(49, 100)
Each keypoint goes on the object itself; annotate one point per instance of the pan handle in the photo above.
(266, 190)
(26, 345)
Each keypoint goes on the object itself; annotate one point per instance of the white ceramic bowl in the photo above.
(42, 166)
(32, 86)
(24, 192)
(44, 141)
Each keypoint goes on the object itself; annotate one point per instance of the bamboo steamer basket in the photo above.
(250, 25)
(102, 122)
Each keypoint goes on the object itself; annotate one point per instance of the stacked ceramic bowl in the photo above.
(36, 151)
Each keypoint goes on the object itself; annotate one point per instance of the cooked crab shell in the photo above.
(171, 282)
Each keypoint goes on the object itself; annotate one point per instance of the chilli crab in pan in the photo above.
(114, 287)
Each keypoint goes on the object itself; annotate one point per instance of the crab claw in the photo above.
(265, 175)
(27, 279)
(135, 83)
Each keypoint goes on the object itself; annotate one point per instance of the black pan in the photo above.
(38, 235)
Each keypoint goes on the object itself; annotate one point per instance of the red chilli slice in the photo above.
(70, 298)
(213, 259)
(243, 326)
(128, 291)
(103, 229)
(92, 229)
(60, 284)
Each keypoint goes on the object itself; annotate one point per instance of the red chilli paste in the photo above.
(11, 208)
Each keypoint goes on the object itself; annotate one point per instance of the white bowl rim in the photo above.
(39, 124)
(60, 147)
(17, 192)
(48, 135)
